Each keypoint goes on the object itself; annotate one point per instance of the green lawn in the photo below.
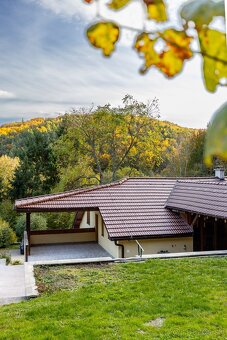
(118, 301)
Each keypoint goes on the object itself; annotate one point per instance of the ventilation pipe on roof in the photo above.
(220, 173)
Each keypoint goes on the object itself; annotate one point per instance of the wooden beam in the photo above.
(62, 231)
(194, 220)
(77, 220)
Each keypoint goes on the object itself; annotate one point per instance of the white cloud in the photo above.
(68, 8)
(6, 94)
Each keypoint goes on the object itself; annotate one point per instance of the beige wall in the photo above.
(151, 246)
(104, 242)
(154, 246)
(63, 238)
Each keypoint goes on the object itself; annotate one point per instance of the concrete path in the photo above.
(17, 283)
(12, 284)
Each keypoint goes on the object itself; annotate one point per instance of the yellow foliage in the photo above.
(156, 10)
(8, 167)
(103, 35)
(171, 59)
(16, 127)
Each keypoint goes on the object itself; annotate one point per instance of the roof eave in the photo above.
(142, 237)
(175, 209)
(34, 210)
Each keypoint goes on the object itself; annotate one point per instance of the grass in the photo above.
(120, 301)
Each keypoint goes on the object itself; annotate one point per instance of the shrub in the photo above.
(6, 256)
(7, 235)
(38, 222)
(7, 213)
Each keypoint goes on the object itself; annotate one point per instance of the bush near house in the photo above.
(7, 235)
(38, 222)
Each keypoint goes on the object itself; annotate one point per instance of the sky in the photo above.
(47, 66)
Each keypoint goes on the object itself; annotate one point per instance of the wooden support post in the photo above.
(215, 235)
(28, 229)
(201, 236)
(97, 226)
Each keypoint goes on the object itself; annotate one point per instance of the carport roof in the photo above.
(203, 197)
(131, 208)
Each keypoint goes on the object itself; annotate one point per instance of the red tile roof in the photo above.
(131, 208)
(200, 196)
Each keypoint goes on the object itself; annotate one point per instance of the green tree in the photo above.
(38, 222)
(7, 213)
(37, 172)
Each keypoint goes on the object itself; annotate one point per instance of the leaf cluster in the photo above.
(168, 49)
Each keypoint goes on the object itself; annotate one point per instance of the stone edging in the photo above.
(30, 284)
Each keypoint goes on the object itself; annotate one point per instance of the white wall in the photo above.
(84, 224)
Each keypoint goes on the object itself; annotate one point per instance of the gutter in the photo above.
(122, 248)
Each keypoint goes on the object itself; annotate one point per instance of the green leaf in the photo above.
(156, 10)
(171, 59)
(202, 12)
(216, 141)
(118, 4)
(214, 50)
(103, 35)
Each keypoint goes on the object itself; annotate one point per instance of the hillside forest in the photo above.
(90, 147)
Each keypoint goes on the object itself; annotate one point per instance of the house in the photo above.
(149, 215)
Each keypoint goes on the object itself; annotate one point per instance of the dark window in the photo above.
(88, 217)
(96, 221)
(103, 226)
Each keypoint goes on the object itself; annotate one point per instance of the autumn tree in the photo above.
(108, 136)
(8, 167)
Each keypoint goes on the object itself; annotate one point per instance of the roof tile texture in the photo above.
(132, 208)
(202, 197)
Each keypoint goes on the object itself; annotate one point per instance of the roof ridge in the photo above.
(218, 182)
(49, 197)
(165, 177)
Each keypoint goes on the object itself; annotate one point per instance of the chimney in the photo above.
(220, 173)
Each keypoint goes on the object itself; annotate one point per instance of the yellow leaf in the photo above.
(216, 140)
(179, 42)
(214, 50)
(156, 10)
(103, 35)
(145, 46)
(171, 59)
(118, 4)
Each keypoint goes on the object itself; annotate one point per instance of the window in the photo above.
(88, 217)
(103, 226)
(96, 221)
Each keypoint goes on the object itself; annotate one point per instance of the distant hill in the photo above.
(17, 127)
